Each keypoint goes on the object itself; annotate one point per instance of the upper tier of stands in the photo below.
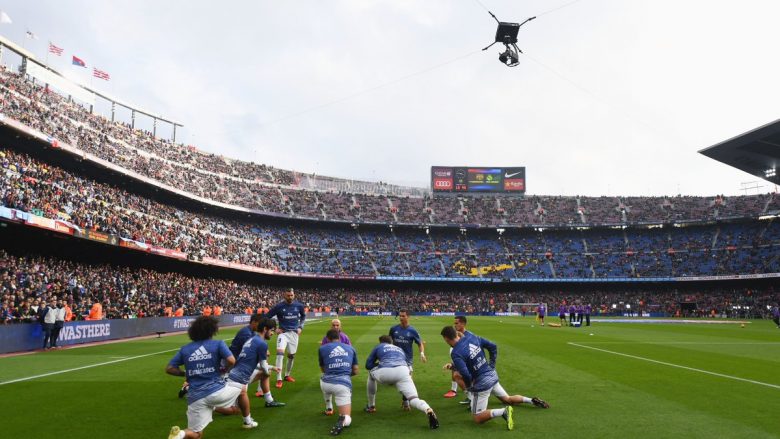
(267, 189)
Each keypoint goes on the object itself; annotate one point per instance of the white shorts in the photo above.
(399, 376)
(340, 392)
(287, 340)
(199, 412)
(479, 400)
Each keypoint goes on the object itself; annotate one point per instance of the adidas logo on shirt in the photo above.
(200, 354)
(338, 352)
(474, 350)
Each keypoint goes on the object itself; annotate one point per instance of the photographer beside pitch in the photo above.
(479, 376)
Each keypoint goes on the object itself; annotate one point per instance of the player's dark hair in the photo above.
(461, 319)
(332, 335)
(386, 339)
(403, 310)
(256, 318)
(449, 333)
(266, 323)
(203, 328)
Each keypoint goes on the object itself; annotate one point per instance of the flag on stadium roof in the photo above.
(4, 18)
(31, 35)
(54, 49)
(100, 74)
(78, 61)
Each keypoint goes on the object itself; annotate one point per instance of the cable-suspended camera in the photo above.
(506, 34)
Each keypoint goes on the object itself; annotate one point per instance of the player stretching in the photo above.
(480, 378)
(242, 336)
(291, 316)
(252, 362)
(338, 363)
(201, 360)
(403, 336)
(460, 325)
(387, 365)
(335, 324)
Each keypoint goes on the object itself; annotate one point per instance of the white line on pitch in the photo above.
(774, 386)
(736, 343)
(97, 364)
(83, 367)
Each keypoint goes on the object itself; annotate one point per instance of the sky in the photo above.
(611, 97)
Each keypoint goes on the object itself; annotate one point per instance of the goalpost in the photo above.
(530, 307)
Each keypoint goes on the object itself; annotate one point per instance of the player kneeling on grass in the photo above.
(201, 360)
(252, 364)
(387, 365)
(479, 376)
(338, 363)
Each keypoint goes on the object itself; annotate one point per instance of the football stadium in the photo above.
(248, 254)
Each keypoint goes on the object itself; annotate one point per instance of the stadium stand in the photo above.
(362, 230)
(27, 279)
(283, 192)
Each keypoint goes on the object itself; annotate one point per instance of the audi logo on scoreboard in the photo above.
(442, 184)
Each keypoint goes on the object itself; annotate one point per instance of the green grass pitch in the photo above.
(625, 380)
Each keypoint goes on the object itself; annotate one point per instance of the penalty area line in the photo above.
(693, 369)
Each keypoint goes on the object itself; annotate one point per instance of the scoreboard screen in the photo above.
(477, 179)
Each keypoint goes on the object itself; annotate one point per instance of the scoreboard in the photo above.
(477, 179)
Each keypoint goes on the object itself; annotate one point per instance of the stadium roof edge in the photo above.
(756, 152)
(31, 57)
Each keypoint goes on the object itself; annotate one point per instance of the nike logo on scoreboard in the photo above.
(508, 175)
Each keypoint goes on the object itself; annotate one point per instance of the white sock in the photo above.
(279, 362)
(371, 389)
(419, 404)
(268, 397)
(247, 419)
(497, 412)
(260, 387)
(347, 420)
(289, 366)
(328, 404)
(454, 387)
(527, 400)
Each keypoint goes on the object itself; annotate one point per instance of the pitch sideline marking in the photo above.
(774, 386)
(89, 366)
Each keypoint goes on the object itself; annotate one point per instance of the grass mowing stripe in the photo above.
(774, 386)
(84, 367)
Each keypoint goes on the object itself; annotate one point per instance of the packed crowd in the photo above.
(27, 281)
(746, 247)
(267, 189)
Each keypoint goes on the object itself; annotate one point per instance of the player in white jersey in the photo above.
(387, 365)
